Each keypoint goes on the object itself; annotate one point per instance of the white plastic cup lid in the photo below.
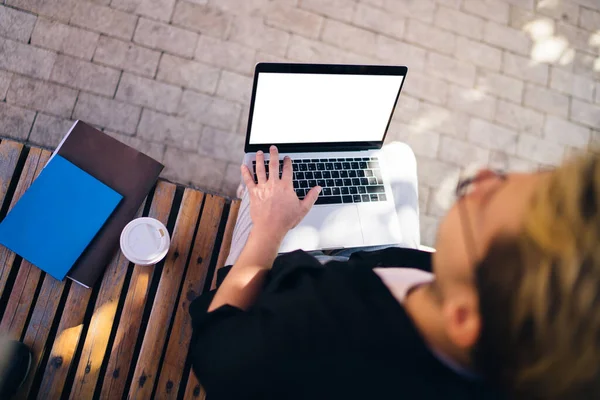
(145, 241)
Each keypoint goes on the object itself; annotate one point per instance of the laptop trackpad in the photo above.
(326, 227)
(379, 224)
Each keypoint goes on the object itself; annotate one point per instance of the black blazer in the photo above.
(323, 332)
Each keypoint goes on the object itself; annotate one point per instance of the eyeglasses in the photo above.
(463, 188)
(464, 182)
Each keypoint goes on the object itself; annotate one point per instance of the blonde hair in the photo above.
(546, 282)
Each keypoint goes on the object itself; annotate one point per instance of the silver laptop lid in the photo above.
(322, 107)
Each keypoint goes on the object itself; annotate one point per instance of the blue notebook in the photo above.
(58, 216)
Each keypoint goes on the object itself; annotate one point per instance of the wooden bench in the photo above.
(128, 337)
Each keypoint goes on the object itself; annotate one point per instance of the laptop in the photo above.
(331, 120)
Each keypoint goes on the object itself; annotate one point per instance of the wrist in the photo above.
(267, 234)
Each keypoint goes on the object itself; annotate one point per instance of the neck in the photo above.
(423, 306)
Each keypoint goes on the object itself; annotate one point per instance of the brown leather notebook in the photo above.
(124, 169)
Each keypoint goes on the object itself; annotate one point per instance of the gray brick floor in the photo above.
(507, 83)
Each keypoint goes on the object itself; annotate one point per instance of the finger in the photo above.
(273, 162)
(287, 169)
(247, 177)
(311, 198)
(261, 175)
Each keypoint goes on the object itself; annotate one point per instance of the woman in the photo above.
(512, 307)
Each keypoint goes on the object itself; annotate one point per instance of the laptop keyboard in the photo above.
(343, 180)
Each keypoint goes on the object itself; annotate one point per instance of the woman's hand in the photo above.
(274, 205)
(275, 209)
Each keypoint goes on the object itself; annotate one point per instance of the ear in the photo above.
(461, 319)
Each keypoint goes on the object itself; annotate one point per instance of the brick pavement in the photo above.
(508, 83)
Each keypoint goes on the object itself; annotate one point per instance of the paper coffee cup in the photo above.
(145, 241)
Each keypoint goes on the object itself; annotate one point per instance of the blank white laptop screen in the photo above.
(318, 108)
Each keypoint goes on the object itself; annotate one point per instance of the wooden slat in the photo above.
(193, 390)
(69, 334)
(99, 329)
(121, 353)
(31, 170)
(29, 173)
(65, 344)
(179, 340)
(28, 276)
(21, 298)
(226, 242)
(36, 336)
(9, 156)
(103, 317)
(146, 368)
